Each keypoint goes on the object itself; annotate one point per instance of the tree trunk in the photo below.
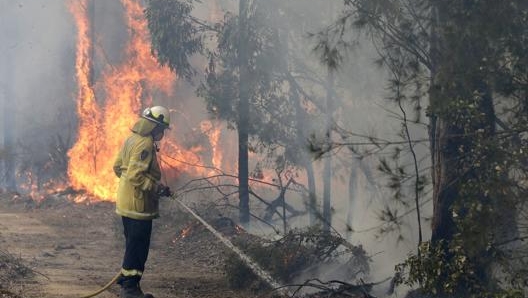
(352, 197)
(461, 134)
(327, 171)
(306, 161)
(304, 156)
(243, 114)
(444, 177)
(312, 198)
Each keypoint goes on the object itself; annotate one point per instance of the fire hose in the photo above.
(116, 277)
(245, 258)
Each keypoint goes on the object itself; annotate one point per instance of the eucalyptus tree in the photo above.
(466, 61)
(256, 78)
(177, 35)
(285, 80)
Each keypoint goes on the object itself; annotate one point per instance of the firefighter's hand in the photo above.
(163, 191)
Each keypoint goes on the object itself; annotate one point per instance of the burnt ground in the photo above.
(58, 248)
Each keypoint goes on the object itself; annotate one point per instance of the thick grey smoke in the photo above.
(361, 94)
(37, 86)
(37, 50)
(36, 76)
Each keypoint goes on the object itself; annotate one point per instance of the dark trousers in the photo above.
(137, 237)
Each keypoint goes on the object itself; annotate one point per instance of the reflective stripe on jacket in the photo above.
(137, 168)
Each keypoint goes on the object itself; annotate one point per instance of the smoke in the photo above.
(359, 192)
(37, 43)
(37, 83)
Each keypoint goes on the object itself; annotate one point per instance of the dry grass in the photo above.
(12, 270)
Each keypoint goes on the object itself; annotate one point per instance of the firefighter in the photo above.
(137, 197)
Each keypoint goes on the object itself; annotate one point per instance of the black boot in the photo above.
(131, 289)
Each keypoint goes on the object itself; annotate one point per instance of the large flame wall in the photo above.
(105, 122)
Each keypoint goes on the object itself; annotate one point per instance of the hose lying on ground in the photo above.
(265, 276)
(105, 287)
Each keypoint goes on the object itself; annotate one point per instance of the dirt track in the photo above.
(74, 249)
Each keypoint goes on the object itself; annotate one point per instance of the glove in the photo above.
(163, 191)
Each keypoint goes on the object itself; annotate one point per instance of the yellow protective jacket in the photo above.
(139, 173)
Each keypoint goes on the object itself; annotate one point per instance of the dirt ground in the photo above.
(73, 249)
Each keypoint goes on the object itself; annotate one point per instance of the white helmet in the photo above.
(157, 114)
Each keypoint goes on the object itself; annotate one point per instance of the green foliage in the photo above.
(466, 60)
(447, 269)
(174, 33)
(221, 86)
(298, 253)
(275, 33)
(279, 120)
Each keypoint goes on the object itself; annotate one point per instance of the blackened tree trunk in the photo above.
(327, 170)
(312, 198)
(352, 198)
(444, 177)
(464, 146)
(243, 114)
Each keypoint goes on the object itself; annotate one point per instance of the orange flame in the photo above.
(213, 134)
(103, 125)
(87, 109)
(108, 108)
(39, 192)
(185, 232)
